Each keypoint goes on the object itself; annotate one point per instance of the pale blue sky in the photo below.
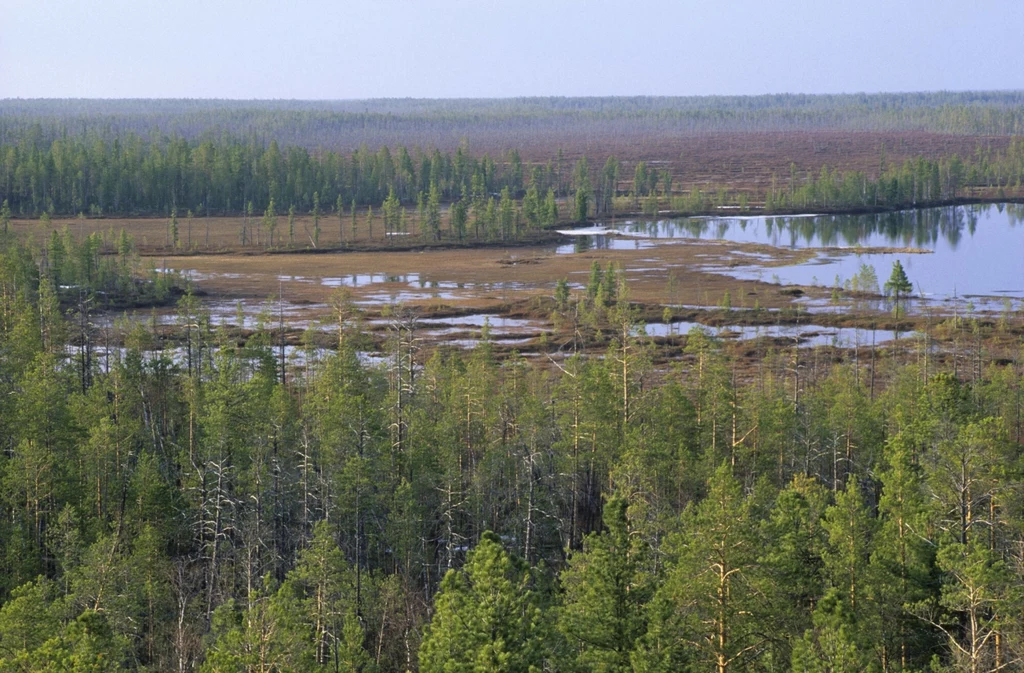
(343, 49)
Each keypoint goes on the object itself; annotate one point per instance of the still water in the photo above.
(961, 251)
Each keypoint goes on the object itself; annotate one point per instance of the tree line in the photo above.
(912, 183)
(487, 199)
(211, 508)
(346, 125)
(130, 175)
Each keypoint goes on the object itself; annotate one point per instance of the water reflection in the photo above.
(803, 336)
(908, 228)
(364, 279)
(617, 239)
(967, 250)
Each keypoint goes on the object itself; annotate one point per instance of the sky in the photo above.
(354, 49)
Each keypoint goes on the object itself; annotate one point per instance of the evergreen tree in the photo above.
(433, 214)
(829, 647)
(339, 207)
(550, 209)
(173, 227)
(903, 558)
(324, 585)
(708, 613)
(897, 285)
(581, 204)
(487, 616)
(316, 219)
(270, 222)
(845, 621)
(607, 587)
(792, 560)
(5, 216)
(459, 218)
(390, 210)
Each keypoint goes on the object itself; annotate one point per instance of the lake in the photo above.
(974, 251)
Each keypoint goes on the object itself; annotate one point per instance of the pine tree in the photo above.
(850, 530)
(829, 646)
(325, 586)
(459, 217)
(606, 592)
(316, 219)
(845, 621)
(487, 617)
(270, 222)
(707, 612)
(902, 559)
(5, 216)
(339, 205)
(173, 227)
(581, 199)
(31, 615)
(433, 214)
(898, 284)
(795, 539)
(550, 209)
(390, 209)
(505, 214)
(971, 611)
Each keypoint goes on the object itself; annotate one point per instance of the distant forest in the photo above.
(346, 125)
(153, 157)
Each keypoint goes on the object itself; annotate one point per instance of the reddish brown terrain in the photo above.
(747, 160)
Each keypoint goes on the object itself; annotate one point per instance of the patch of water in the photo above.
(365, 279)
(704, 307)
(240, 314)
(804, 336)
(971, 250)
(469, 344)
(403, 297)
(477, 320)
(443, 285)
(602, 242)
(197, 276)
(757, 256)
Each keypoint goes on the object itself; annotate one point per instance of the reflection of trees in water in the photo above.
(906, 228)
(585, 243)
(582, 243)
(951, 225)
(1014, 212)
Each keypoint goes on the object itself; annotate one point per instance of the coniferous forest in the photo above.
(224, 157)
(209, 513)
(211, 509)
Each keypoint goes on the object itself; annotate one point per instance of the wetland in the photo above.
(810, 280)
